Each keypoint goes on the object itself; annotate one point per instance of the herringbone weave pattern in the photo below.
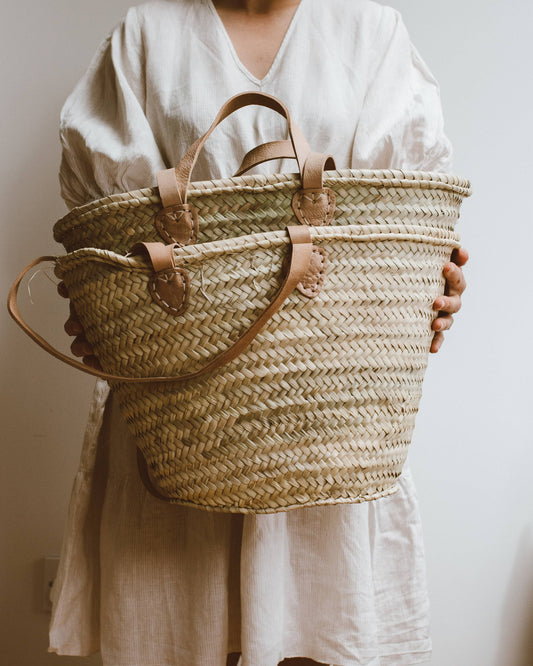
(320, 408)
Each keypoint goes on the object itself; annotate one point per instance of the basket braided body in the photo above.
(320, 408)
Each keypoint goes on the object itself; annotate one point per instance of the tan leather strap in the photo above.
(313, 169)
(161, 256)
(272, 150)
(173, 183)
(301, 250)
(12, 307)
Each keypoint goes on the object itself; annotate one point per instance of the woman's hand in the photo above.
(80, 347)
(450, 303)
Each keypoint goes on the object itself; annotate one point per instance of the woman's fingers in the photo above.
(455, 279)
(448, 304)
(436, 343)
(92, 362)
(62, 289)
(80, 346)
(73, 325)
(442, 323)
(459, 256)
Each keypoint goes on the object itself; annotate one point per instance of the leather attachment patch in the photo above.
(314, 207)
(170, 289)
(177, 224)
(312, 281)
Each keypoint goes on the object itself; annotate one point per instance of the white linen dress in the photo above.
(148, 583)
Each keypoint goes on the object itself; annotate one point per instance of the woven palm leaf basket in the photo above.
(282, 333)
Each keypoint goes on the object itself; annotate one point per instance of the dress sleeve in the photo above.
(107, 143)
(401, 124)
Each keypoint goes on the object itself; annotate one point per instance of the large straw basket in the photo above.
(282, 352)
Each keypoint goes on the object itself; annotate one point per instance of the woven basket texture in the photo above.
(320, 408)
(253, 204)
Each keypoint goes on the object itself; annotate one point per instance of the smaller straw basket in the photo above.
(271, 355)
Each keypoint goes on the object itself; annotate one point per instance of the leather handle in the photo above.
(301, 250)
(272, 150)
(173, 183)
(312, 172)
(12, 306)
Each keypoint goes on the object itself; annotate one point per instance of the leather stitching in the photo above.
(313, 290)
(167, 276)
(313, 199)
(174, 216)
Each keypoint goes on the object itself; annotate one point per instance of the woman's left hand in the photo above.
(450, 303)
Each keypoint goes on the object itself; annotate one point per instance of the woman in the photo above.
(149, 583)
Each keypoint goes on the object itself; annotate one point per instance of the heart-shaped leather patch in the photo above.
(314, 207)
(170, 289)
(312, 281)
(177, 224)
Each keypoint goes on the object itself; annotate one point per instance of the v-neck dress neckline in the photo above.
(283, 46)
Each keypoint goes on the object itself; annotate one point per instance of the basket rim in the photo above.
(193, 254)
(390, 178)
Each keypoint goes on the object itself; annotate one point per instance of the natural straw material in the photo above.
(320, 408)
(250, 204)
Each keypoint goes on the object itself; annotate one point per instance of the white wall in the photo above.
(473, 453)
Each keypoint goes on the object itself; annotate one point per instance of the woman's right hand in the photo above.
(80, 347)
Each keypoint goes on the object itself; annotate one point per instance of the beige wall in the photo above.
(473, 453)
(46, 47)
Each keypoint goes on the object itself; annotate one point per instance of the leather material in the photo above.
(168, 188)
(313, 168)
(314, 207)
(173, 183)
(313, 171)
(170, 290)
(177, 224)
(272, 150)
(312, 281)
(169, 285)
(161, 255)
(309, 206)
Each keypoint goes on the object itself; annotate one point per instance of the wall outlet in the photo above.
(50, 565)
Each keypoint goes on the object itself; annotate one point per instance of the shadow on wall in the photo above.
(516, 641)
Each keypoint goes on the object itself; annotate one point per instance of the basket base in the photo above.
(153, 490)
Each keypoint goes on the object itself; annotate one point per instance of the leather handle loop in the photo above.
(173, 183)
(313, 169)
(12, 306)
(301, 250)
(272, 150)
(161, 256)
